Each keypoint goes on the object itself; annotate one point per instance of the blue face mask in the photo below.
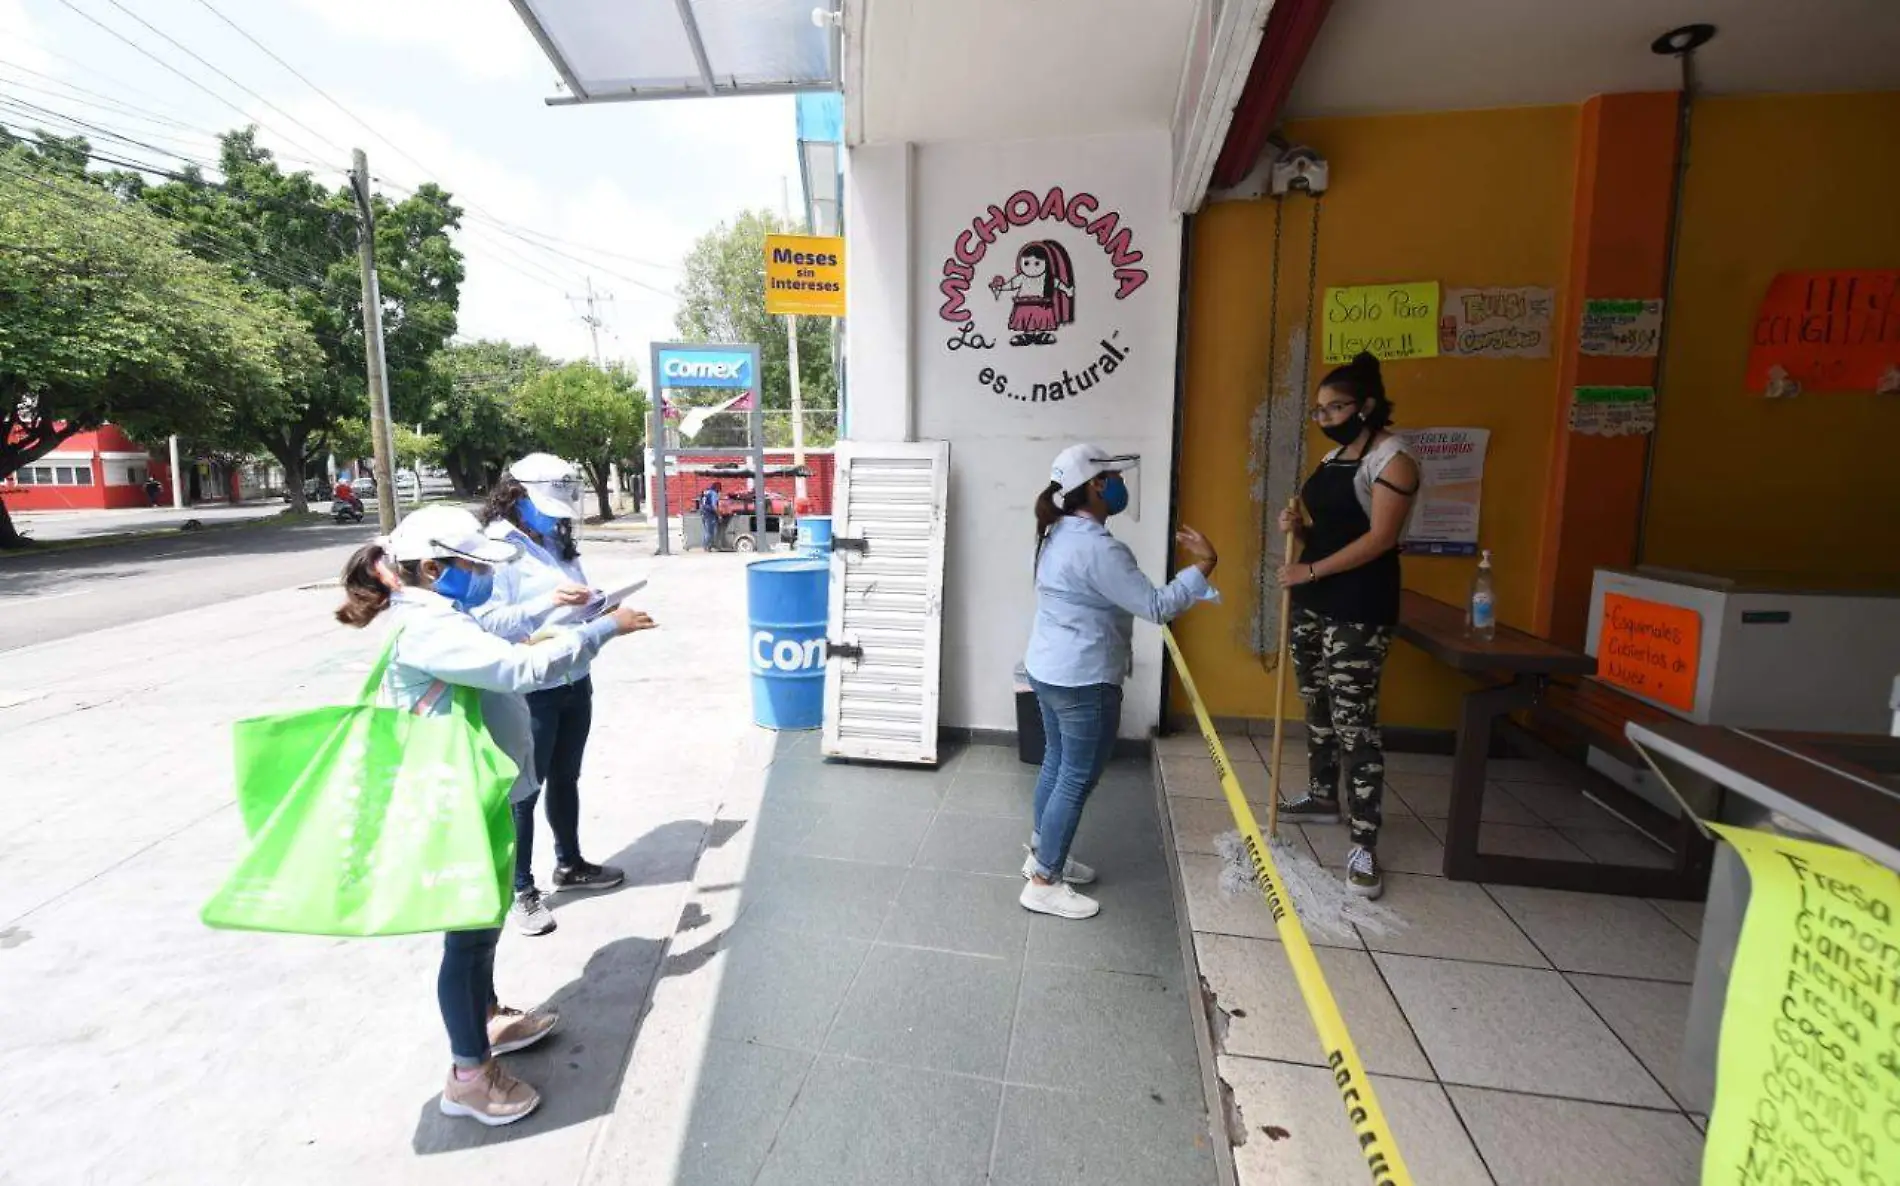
(1115, 494)
(544, 525)
(466, 588)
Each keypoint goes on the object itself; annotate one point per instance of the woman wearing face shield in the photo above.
(534, 508)
(1089, 590)
(1345, 594)
(427, 573)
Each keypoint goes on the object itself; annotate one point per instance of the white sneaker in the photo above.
(1073, 871)
(1059, 899)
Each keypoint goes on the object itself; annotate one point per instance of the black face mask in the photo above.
(1346, 431)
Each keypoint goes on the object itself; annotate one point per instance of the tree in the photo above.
(722, 299)
(586, 415)
(289, 233)
(103, 318)
(472, 408)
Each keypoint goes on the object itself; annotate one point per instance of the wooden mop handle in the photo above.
(1279, 684)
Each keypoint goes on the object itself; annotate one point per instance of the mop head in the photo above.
(1321, 897)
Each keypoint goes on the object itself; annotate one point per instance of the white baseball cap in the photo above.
(1080, 463)
(553, 485)
(439, 532)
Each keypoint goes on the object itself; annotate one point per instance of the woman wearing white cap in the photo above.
(1089, 590)
(431, 569)
(534, 508)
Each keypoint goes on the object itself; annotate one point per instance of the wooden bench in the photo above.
(1520, 673)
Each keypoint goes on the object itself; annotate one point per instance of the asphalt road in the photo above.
(62, 594)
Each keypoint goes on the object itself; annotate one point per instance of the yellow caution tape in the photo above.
(1383, 1162)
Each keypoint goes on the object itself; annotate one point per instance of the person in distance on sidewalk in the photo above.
(534, 508)
(1089, 590)
(430, 571)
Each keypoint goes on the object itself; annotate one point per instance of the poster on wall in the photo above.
(1496, 322)
(1034, 291)
(1451, 481)
(1389, 321)
(1620, 329)
(1613, 411)
(1827, 331)
(1806, 1063)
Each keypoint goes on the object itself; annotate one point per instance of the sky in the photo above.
(456, 86)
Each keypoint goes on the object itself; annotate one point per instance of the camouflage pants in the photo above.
(1338, 665)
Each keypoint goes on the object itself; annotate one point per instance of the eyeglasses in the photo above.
(1333, 409)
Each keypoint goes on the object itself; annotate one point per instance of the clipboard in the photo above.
(604, 602)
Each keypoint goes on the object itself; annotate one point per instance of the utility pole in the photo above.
(791, 352)
(379, 424)
(592, 321)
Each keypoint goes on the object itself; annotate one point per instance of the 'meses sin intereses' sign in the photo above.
(1038, 279)
(1828, 331)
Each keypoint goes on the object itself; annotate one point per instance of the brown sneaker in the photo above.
(493, 1097)
(510, 1030)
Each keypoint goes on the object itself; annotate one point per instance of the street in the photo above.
(62, 594)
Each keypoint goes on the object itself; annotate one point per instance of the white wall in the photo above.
(1001, 446)
(878, 292)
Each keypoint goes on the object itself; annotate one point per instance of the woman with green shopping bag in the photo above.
(431, 571)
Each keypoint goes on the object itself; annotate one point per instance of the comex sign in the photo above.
(705, 368)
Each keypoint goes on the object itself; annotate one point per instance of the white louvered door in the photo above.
(886, 616)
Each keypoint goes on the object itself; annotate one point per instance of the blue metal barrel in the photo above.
(814, 535)
(786, 602)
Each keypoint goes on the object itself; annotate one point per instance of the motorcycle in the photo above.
(346, 512)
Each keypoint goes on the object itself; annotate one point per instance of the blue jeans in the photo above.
(709, 524)
(560, 720)
(465, 990)
(1078, 726)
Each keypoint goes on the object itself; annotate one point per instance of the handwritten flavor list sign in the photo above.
(1496, 323)
(1388, 321)
(1827, 331)
(1451, 485)
(1621, 329)
(1613, 411)
(1808, 1071)
(1650, 649)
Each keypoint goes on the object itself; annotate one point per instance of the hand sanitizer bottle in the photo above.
(1482, 616)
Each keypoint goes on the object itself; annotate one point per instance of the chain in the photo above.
(1264, 446)
(1312, 298)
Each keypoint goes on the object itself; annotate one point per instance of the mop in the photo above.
(1321, 897)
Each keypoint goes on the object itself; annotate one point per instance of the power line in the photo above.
(136, 47)
(194, 56)
(216, 138)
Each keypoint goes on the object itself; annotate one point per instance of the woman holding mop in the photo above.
(1345, 601)
(431, 571)
(533, 508)
(1089, 590)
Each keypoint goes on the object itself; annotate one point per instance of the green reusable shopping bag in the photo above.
(370, 820)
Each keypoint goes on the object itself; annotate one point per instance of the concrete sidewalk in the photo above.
(816, 974)
(54, 526)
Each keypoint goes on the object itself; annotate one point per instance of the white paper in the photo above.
(1496, 322)
(611, 599)
(1451, 481)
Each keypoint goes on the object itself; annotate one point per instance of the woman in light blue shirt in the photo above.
(428, 573)
(1089, 590)
(534, 507)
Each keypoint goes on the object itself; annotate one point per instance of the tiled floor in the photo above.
(1517, 1037)
(887, 1013)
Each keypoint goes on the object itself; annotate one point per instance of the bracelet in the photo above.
(1312, 574)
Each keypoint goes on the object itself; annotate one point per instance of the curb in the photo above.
(54, 547)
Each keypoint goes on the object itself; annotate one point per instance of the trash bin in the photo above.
(1030, 741)
(814, 535)
(786, 604)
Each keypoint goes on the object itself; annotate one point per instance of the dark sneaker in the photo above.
(1362, 872)
(584, 876)
(1308, 810)
(530, 914)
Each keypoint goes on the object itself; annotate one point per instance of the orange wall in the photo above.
(1804, 486)
(1464, 198)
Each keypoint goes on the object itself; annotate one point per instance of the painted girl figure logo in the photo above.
(1042, 295)
(1036, 305)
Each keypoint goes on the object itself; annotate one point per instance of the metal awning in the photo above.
(820, 160)
(619, 50)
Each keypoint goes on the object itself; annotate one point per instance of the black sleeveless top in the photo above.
(1367, 595)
